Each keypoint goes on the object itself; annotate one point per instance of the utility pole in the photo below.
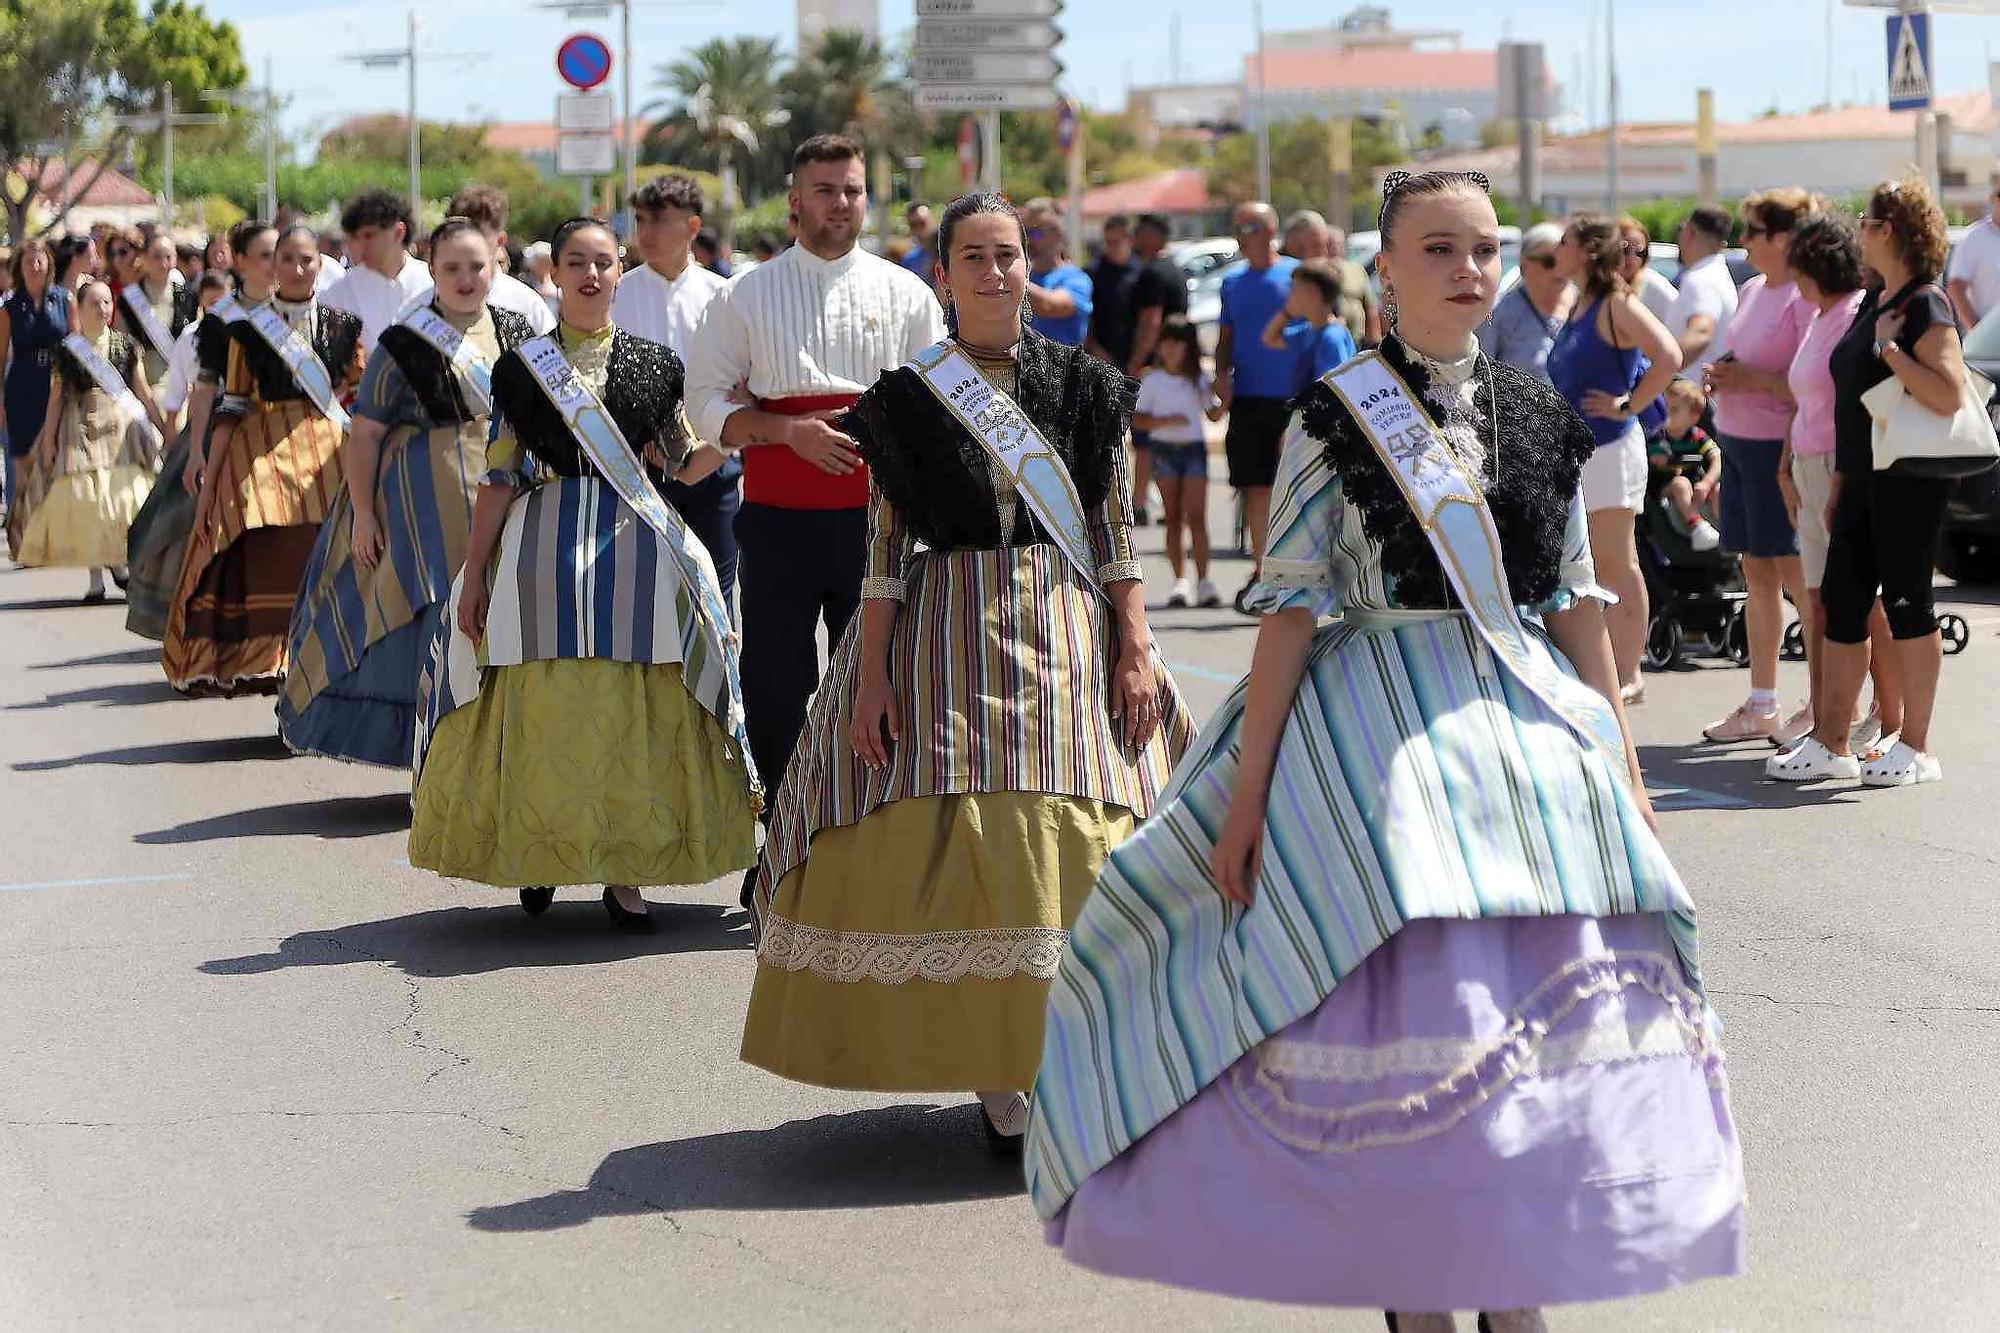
(1263, 109)
(164, 121)
(390, 58)
(1611, 104)
(265, 101)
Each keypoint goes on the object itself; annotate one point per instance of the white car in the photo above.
(1205, 262)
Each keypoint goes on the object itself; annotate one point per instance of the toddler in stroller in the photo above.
(1695, 589)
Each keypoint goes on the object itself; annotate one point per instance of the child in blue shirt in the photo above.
(1307, 326)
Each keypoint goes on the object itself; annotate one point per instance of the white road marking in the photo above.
(96, 883)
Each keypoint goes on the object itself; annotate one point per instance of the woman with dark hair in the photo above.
(1394, 1001)
(36, 316)
(77, 261)
(1825, 259)
(579, 717)
(1885, 525)
(270, 472)
(1753, 411)
(396, 535)
(99, 444)
(149, 311)
(1611, 360)
(992, 724)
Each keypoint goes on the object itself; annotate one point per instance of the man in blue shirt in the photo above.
(1255, 382)
(922, 259)
(1059, 294)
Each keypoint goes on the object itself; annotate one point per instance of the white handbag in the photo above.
(1911, 439)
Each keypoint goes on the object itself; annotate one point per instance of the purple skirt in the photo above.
(1487, 1114)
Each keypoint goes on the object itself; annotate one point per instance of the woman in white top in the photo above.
(1175, 398)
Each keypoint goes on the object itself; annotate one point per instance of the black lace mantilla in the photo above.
(935, 473)
(335, 335)
(119, 350)
(1543, 446)
(643, 383)
(431, 377)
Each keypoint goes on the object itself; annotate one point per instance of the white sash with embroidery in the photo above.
(300, 358)
(228, 309)
(708, 662)
(1452, 511)
(115, 387)
(141, 312)
(475, 377)
(1010, 439)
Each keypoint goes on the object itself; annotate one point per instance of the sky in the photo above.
(495, 58)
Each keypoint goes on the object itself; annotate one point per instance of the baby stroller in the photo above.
(1697, 597)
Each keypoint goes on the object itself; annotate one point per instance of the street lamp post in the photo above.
(1263, 108)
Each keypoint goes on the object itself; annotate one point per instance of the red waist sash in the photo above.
(774, 475)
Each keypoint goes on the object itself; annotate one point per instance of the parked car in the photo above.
(1970, 550)
(1205, 261)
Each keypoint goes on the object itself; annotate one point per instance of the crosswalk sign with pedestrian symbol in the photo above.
(1909, 62)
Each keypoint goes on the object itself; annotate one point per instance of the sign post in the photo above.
(585, 146)
(987, 56)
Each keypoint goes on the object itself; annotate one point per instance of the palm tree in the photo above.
(724, 98)
(845, 83)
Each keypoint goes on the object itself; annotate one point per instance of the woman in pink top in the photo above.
(1825, 257)
(1753, 414)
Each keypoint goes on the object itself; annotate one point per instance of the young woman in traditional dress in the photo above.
(99, 445)
(397, 535)
(36, 318)
(580, 717)
(149, 302)
(992, 725)
(1394, 1002)
(271, 470)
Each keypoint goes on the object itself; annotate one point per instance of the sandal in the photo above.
(1811, 761)
(1901, 765)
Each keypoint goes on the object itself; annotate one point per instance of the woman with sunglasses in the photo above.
(1885, 526)
(1752, 398)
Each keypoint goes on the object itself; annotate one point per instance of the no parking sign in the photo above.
(584, 61)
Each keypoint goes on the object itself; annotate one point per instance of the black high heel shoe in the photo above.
(536, 901)
(639, 923)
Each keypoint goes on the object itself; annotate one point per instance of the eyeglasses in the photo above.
(1753, 232)
(1868, 220)
(121, 253)
(1541, 261)
(1249, 228)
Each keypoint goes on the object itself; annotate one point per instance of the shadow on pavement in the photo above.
(1730, 777)
(211, 750)
(63, 604)
(894, 1155)
(333, 817)
(470, 941)
(129, 657)
(125, 692)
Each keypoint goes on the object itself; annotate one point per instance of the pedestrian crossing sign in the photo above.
(1909, 62)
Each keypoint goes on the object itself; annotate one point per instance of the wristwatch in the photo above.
(1624, 406)
(1882, 348)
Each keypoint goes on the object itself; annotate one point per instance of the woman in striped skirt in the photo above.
(1394, 1002)
(270, 474)
(992, 724)
(397, 534)
(580, 717)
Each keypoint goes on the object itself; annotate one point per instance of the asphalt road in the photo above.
(258, 1072)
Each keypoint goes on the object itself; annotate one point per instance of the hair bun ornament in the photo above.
(1393, 182)
(1479, 178)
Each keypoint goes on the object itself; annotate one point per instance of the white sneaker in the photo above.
(1811, 761)
(1703, 536)
(1208, 594)
(1901, 766)
(1182, 595)
(1867, 732)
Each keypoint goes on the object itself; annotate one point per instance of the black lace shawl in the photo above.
(935, 473)
(643, 384)
(120, 350)
(335, 336)
(1543, 446)
(430, 376)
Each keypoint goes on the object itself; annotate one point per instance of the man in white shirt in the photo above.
(486, 208)
(382, 278)
(1706, 301)
(1972, 278)
(807, 333)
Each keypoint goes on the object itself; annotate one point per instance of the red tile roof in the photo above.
(106, 189)
(1183, 190)
(1375, 68)
(538, 136)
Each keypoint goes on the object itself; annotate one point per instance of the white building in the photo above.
(1837, 153)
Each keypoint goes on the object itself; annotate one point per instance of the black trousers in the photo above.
(1884, 541)
(801, 569)
(709, 507)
